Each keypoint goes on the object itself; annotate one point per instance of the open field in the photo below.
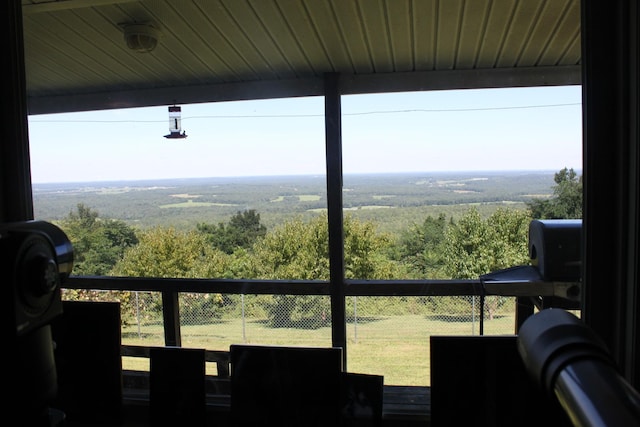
(394, 346)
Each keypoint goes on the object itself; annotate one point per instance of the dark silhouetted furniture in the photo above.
(177, 386)
(361, 400)
(482, 381)
(87, 342)
(285, 386)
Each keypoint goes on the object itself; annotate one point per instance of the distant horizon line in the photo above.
(309, 175)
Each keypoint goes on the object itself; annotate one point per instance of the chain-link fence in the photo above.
(386, 336)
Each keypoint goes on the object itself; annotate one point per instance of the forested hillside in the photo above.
(393, 201)
(395, 227)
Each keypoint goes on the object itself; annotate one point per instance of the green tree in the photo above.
(169, 253)
(475, 247)
(98, 243)
(421, 247)
(566, 202)
(466, 250)
(298, 250)
(242, 231)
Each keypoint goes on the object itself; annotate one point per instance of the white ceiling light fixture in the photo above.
(141, 37)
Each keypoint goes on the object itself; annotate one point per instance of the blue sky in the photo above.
(461, 130)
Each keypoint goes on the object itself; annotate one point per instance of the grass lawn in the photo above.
(396, 347)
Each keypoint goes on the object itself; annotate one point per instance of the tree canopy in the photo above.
(475, 246)
(98, 243)
(566, 202)
(242, 231)
(421, 247)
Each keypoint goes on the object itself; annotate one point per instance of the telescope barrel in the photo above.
(568, 360)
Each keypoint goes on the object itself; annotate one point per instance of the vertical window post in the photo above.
(171, 318)
(333, 135)
(15, 166)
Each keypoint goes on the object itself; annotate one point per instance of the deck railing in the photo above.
(400, 401)
(529, 294)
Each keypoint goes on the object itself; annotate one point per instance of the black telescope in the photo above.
(36, 257)
(567, 359)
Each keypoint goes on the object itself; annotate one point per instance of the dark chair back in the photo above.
(285, 386)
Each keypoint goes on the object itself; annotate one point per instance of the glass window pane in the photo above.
(437, 185)
(242, 196)
(135, 203)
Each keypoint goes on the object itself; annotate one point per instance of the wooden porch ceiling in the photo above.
(214, 50)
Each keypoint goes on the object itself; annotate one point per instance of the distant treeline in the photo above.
(392, 200)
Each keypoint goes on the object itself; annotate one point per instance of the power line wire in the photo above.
(363, 113)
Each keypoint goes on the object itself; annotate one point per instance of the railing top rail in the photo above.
(424, 287)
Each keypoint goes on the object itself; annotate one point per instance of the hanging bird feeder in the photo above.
(175, 124)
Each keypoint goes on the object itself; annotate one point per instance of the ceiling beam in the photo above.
(349, 84)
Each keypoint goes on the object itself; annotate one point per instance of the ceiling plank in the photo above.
(58, 5)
